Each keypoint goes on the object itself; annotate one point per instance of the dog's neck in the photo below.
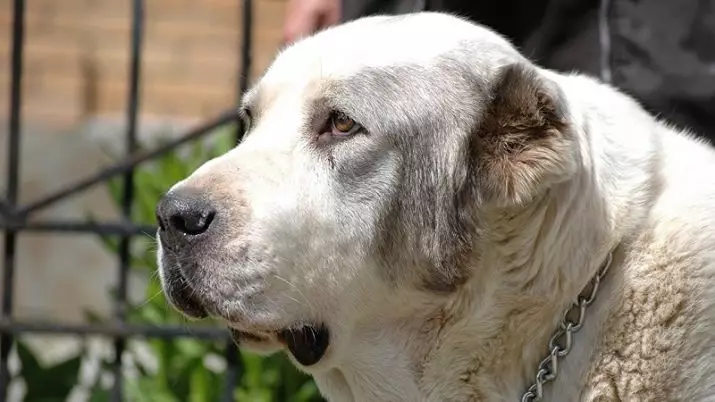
(491, 333)
(531, 268)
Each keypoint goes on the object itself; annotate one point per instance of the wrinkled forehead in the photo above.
(419, 43)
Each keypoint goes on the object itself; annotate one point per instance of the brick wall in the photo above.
(77, 56)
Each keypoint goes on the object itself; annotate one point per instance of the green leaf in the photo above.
(147, 197)
(308, 392)
(30, 364)
(170, 170)
(191, 348)
(144, 389)
(99, 395)
(114, 185)
(47, 384)
(200, 385)
(224, 140)
(199, 155)
(150, 314)
(93, 318)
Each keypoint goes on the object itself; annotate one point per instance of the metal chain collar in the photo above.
(562, 340)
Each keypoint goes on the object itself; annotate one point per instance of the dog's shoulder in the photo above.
(682, 241)
(654, 341)
(652, 344)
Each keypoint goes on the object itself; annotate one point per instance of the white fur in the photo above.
(642, 187)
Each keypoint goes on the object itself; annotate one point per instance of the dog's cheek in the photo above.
(451, 264)
(429, 259)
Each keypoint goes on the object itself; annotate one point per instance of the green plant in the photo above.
(180, 370)
(46, 384)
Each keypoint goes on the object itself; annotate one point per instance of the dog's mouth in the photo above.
(307, 343)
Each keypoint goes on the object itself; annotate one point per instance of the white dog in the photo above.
(416, 206)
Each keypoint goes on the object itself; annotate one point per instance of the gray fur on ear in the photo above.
(523, 143)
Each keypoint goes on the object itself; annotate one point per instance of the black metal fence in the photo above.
(13, 217)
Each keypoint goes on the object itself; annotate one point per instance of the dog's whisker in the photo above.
(293, 286)
(150, 299)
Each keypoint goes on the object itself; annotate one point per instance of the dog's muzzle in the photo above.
(187, 223)
(186, 220)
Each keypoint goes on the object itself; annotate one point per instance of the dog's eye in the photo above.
(342, 125)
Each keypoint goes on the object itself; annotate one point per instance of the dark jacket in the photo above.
(662, 52)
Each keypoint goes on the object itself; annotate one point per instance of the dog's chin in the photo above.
(307, 343)
(186, 304)
(184, 301)
(190, 309)
(257, 342)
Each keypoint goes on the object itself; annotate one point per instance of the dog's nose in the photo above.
(184, 214)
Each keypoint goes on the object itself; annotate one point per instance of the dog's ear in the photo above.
(523, 143)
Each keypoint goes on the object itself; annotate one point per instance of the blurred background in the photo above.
(88, 321)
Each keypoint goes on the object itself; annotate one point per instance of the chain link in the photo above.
(561, 342)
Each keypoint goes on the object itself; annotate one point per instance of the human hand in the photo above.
(305, 17)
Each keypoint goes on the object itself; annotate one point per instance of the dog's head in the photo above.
(370, 150)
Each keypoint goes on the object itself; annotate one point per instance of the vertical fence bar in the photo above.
(13, 184)
(244, 73)
(246, 49)
(128, 190)
(233, 371)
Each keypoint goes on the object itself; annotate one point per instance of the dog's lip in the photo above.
(240, 336)
(182, 297)
(192, 309)
(307, 342)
